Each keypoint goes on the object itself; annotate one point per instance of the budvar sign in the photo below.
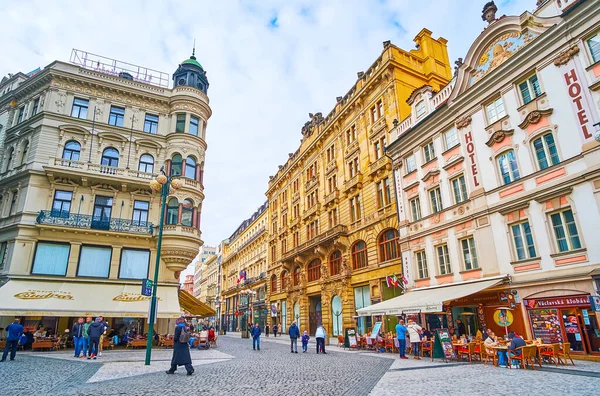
(575, 301)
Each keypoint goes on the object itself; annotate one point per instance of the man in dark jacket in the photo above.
(14, 332)
(78, 340)
(95, 330)
(275, 328)
(294, 333)
(181, 349)
(255, 333)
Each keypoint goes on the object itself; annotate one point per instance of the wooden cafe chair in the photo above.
(551, 353)
(565, 352)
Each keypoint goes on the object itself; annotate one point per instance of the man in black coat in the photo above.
(181, 348)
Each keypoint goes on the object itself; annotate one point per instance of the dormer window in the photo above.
(420, 108)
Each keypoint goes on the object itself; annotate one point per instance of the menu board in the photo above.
(545, 324)
(376, 330)
(446, 342)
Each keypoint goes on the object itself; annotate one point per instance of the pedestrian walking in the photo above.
(275, 328)
(414, 333)
(14, 332)
(401, 331)
(103, 335)
(305, 338)
(255, 333)
(294, 333)
(320, 335)
(267, 330)
(78, 341)
(95, 330)
(87, 351)
(181, 349)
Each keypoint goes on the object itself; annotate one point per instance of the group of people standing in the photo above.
(413, 331)
(88, 337)
(294, 333)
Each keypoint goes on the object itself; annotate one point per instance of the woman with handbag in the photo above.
(414, 333)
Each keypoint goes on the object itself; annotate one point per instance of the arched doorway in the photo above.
(315, 315)
(336, 315)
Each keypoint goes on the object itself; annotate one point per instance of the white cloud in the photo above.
(264, 80)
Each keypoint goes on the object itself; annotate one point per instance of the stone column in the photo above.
(180, 212)
(73, 259)
(195, 217)
(114, 262)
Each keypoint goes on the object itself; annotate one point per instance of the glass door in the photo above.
(102, 213)
(572, 330)
(589, 322)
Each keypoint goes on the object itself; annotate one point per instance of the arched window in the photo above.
(297, 314)
(359, 255)
(274, 284)
(187, 212)
(110, 157)
(176, 164)
(9, 159)
(314, 270)
(335, 262)
(336, 312)
(509, 170)
(545, 151)
(296, 276)
(72, 151)
(24, 152)
(190, 168)
(172, 211)
(388, 245)
(284, 280)
(146, 163)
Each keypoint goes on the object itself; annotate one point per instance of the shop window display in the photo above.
(545, 324)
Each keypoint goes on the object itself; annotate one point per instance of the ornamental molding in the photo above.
(534, 117)
(499, 136)
(463, 122)
(564, 57)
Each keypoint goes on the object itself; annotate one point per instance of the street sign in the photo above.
(146, 287)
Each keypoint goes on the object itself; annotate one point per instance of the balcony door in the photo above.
(102, 213)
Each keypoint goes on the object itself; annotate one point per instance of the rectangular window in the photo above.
(509, 170)
(140, 212)
(351, 134)
(594, 46)
(116, 116)
(469, 253)
(94, 261)
(151, 124)
(411, 165)
(530, 89)
(451, 138)
(51, 258)
(180, 124)
(374, 116)
(380, 199)
(353, 167)
(545, 151)
(355, 208)
(378, 151)
(380, 108)
(523, 240)
(3, 254)
(194, 126)
(459, 188)
(36, 104)
(333, 218)
(13, 203)
(80, 108)
(565, 231)
(428, 152)
(388, 190)
(420, 108)
(21, 114)
(435, 197)
(134, 264)
(61, 205)
(422, 265)
(495, 110)
(415, 209)
(443, 259)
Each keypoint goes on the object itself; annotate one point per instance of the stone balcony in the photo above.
(332, 198)
(311, 211)
(353, 183)
(325, 237)
(295, 196)
(294, 222)
(312, 182)
(382, 165)
(331, 167)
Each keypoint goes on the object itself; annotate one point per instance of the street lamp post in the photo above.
(337, 320)
(163, 184)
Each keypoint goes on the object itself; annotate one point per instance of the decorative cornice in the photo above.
(430, 174)
(534, 117)
(453, 161)
(463, 122)
(564, 57)
(499, 136)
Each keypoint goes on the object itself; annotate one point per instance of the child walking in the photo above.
(305, 338)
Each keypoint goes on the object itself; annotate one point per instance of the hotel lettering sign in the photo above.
(43, 294)
(573, 301)
(471, 154)
(579, 97)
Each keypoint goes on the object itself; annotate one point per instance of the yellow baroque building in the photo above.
(333, 224)
(78, 221)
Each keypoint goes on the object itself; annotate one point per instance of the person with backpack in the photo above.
(181, 349)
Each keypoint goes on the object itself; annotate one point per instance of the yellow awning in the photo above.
(22, 297)
(194, 306)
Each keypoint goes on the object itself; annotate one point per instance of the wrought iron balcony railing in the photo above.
(66, 219)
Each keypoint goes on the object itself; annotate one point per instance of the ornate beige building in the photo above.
(333, 225)
(78, 221)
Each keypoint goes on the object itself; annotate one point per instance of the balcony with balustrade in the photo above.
(382, 165)
(52, 219)
(311, 183)
(354, 183)
(324, 238)
(332, 198)
(311, 211)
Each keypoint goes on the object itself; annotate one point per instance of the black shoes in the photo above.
(190, 372)
(170, 372)
(296, 352)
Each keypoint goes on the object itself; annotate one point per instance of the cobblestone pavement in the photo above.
(235, 369)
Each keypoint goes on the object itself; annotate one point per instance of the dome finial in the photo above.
(193, 51)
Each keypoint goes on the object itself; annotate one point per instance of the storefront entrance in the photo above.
(314, 313)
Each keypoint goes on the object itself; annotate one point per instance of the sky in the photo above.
(269, 64)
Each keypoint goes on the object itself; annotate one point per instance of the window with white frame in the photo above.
(415, 208)
(545, 151)
(428, 152)
(51, 258)
(459, 188)
(565, 230)
(523, 240)
(507, 164)
(94, 261)
(411, 165)
(435, 198)
(420, 108)
(593, 44)
(421, 259)
(451, 138)
(495, 110)
(469, 253)
(530, 89)
(443, 259)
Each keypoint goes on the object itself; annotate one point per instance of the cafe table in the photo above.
(503, 348)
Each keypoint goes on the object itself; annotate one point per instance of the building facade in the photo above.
(78, 221)
(188, 284)
(498, 181)
(333, 224)
(244, 273)
(209, 283)
(204, 254)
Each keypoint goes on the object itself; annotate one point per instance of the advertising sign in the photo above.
(146, 287)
